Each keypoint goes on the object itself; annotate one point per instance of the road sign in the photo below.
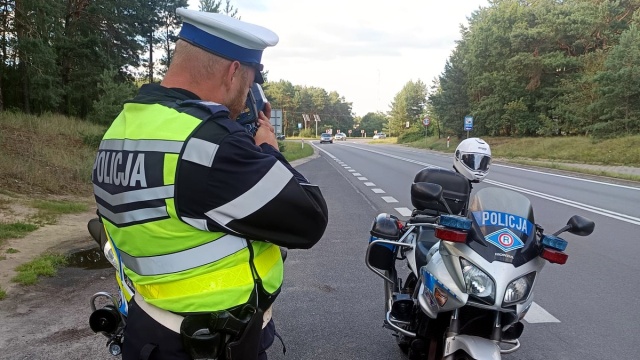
(361, 131)
(426, 121)
(468, 123)
(276, 120)
(349, 131)
(299, 125)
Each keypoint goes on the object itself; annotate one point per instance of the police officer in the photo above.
(196, 207)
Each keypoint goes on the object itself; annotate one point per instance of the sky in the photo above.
(366, 50)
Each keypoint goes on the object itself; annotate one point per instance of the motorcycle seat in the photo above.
(426, 238)
(423, 219)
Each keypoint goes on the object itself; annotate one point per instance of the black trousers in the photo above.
(146, 339)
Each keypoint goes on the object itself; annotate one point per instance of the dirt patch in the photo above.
(13, 210)
(69, 232)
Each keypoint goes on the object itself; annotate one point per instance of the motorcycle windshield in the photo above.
(503, 226)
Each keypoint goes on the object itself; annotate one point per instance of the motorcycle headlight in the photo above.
(519, 289)
(478, 283)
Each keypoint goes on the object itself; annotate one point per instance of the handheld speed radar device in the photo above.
(256, 102)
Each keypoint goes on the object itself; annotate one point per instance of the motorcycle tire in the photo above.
(404, 343)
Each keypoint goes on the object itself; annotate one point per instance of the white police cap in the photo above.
(227, 37)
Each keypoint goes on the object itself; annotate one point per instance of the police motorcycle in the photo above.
(110, 319)
(472, 263)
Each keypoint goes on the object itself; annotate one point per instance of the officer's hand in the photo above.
(267, 111)
(266, 133)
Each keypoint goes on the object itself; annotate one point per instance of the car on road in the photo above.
(325, 137)
(340, 136)
(380, 136)
(280, 137)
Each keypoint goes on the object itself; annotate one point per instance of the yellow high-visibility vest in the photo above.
(173, 265)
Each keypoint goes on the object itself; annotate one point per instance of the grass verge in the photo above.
(15, 230)
(3, 293)
(293, 150)
(623, 151)
(44, 265)
(51, 154)
(552, 165)
(49, 210)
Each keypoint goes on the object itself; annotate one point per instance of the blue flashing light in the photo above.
(554, 242)
(388, 246)
(455, 222)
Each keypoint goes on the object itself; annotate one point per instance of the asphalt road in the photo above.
(331, 305)
(583, 308)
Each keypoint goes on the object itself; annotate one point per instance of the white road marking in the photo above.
(351, 170)
(404, 211)
(362, 178)
(568, 177)
(378, 191)
(537, 314)
(505, 166)
(575, 204)
(369, 184)
(357, 174)
(389, 199)
(593, 209)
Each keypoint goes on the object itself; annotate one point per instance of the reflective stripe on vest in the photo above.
(166, 146)
(208, 291)
(185, 260)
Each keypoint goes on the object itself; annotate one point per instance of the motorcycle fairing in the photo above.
(434, 277)
(503, 226)
(502, 273)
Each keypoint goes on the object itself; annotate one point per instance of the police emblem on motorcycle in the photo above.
(505, 239)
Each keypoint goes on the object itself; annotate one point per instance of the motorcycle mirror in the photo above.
(577, 225)
(580, 226)
(426, 191)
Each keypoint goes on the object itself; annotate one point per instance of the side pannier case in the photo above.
(385, 226)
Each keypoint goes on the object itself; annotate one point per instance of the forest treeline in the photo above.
(520, 68)
(544, 67)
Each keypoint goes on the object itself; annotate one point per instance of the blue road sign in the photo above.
(468, 123)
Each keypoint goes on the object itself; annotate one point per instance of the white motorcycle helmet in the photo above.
(472, 159)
